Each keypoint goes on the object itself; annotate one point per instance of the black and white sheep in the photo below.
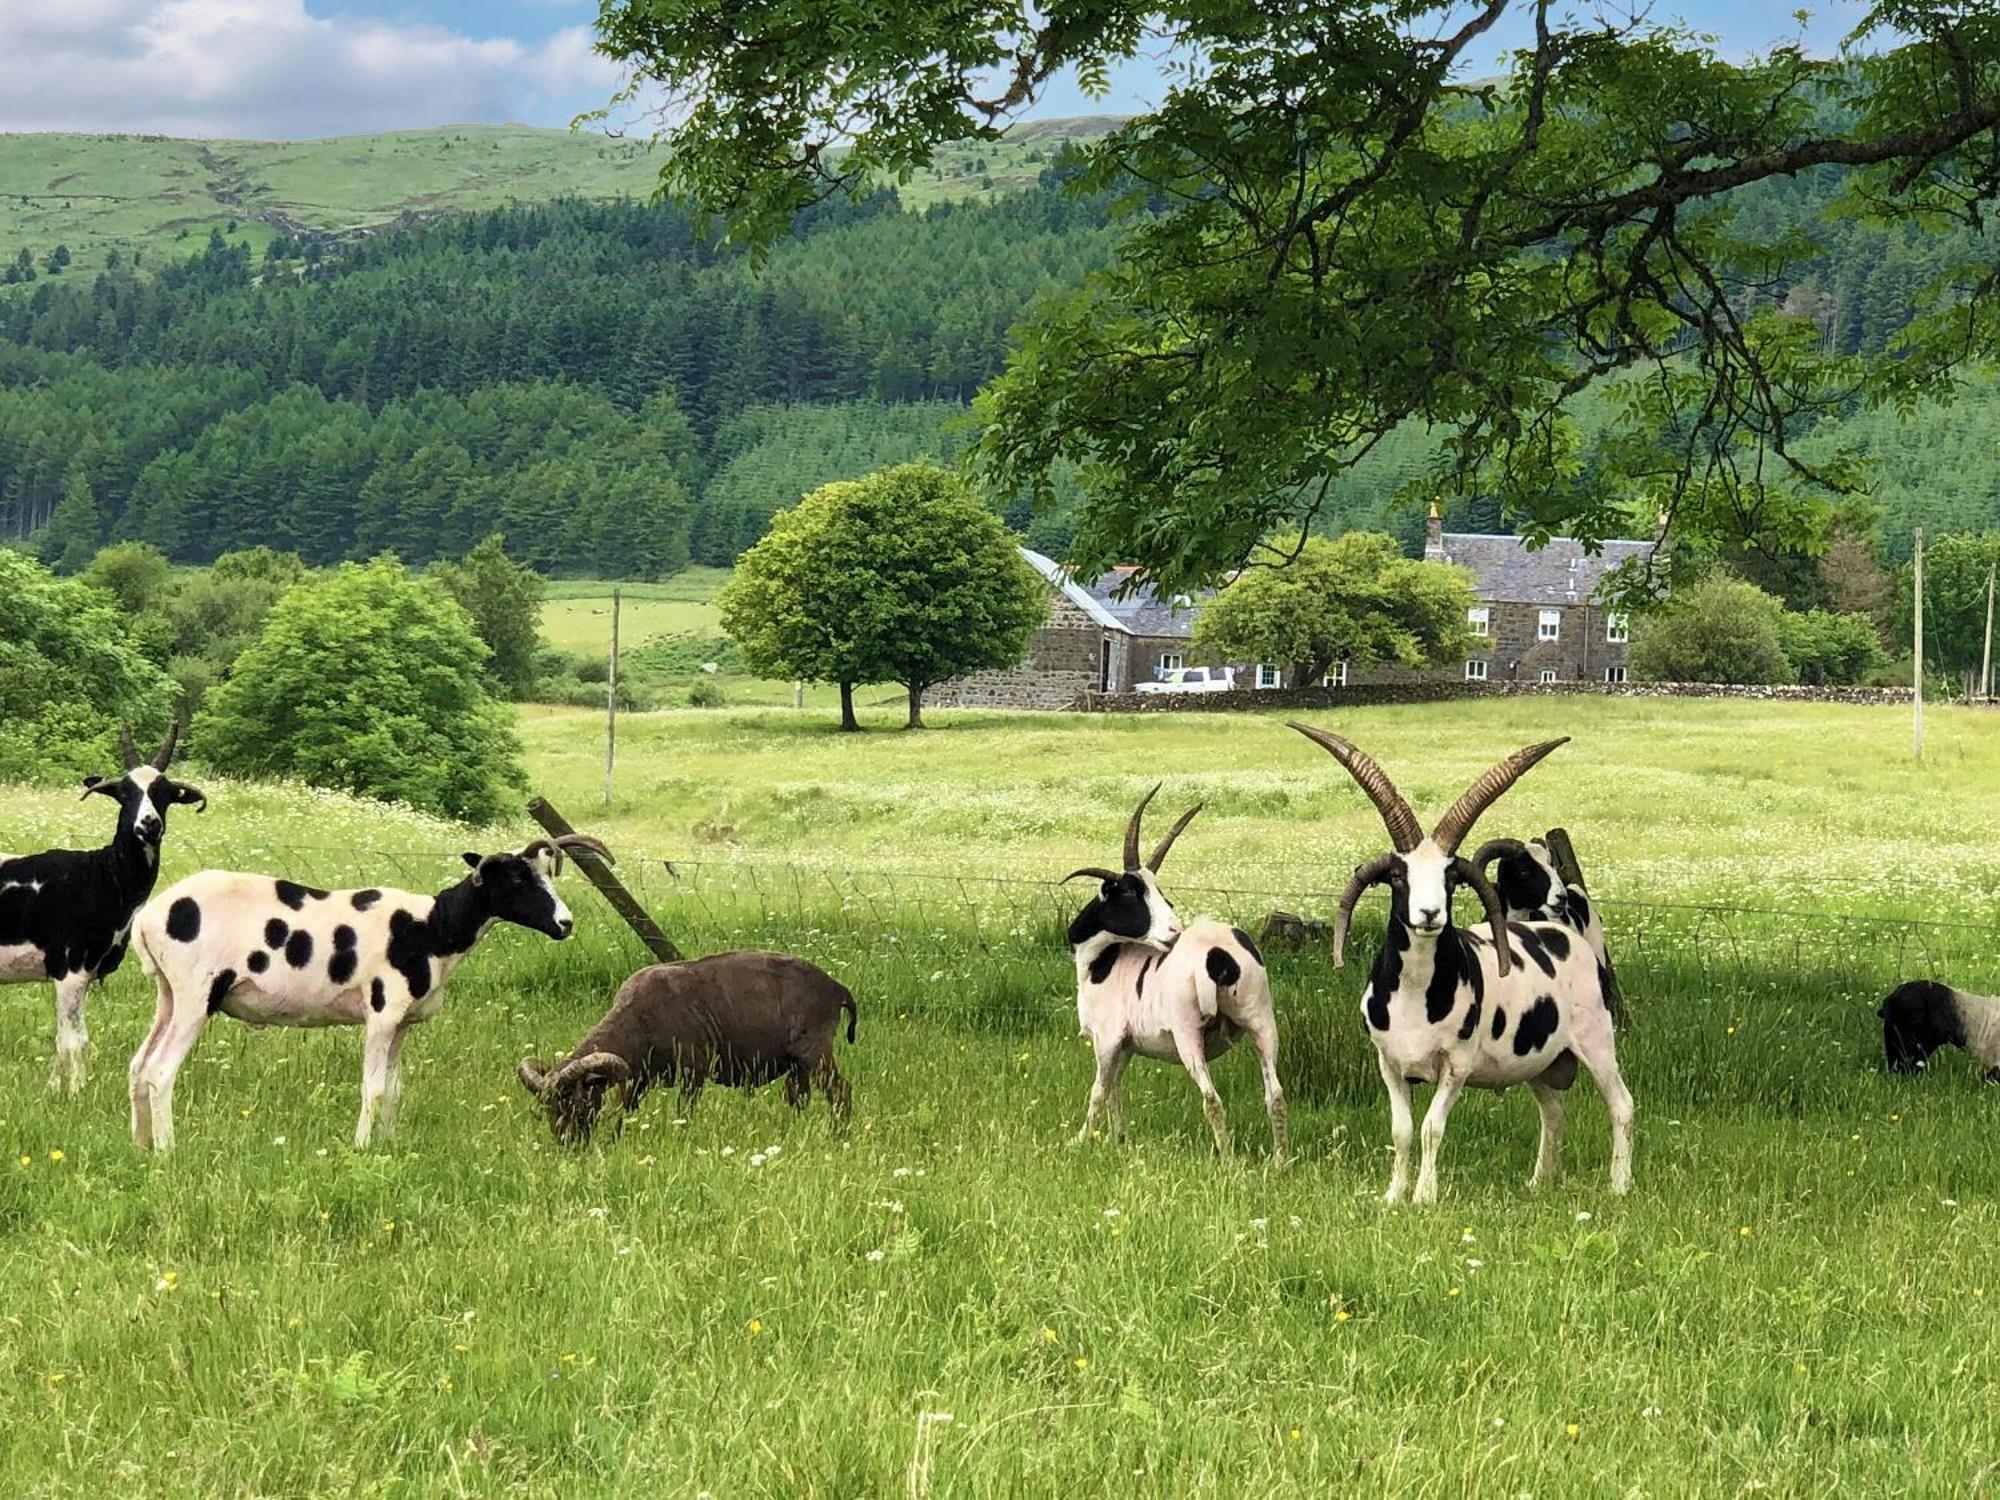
(276, 953)
(1457, 1008)
(737, 1019)
(1920, 1017)
(66, 914)
(1145, 984)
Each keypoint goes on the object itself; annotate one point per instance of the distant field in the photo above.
(577, 613)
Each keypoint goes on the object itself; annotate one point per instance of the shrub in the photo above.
(505, 602)
(706, 692)
(1828, 648)
(370, 681)
(1718, 630)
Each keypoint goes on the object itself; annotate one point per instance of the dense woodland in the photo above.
(619, 397)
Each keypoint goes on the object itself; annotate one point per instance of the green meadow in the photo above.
(950, 1297)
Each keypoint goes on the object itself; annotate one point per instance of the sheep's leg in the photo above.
(163, 1066)
(1102, 1085)
(839, 1097)
(375, 1051)
(66, 1071)
(1401, 1128)
(392, 1084)
(1264, 1037)
(142, 1109)
(1193, 1049)
(1114, 1095)
(798, 1087)
(1548, 1154)
(693, 1075)
(1595, 1049)
(1448, 1088)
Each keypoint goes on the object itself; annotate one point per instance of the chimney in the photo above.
(1434, 536)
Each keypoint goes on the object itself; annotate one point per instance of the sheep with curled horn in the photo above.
(66, 914)
(1145, 984)
(1522, 1002)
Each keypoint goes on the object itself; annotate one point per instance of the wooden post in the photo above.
(613, 889)
(611, 706)
(1917, 617)
(1563, 852)
(1986, 656)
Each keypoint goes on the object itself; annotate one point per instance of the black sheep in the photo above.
(739, 1019)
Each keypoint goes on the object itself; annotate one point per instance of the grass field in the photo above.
(1795, 1300)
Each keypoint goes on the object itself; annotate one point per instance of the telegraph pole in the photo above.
(1986, 656)
(1917, 616)
(611, 705)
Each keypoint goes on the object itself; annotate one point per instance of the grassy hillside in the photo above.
(162, 197)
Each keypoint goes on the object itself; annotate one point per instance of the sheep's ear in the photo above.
(99, 785)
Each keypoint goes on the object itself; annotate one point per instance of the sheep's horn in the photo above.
(1160, 853)
(1496, 914)
(606, 1065)
(1132, 829)
(1404, 829)
(126, 748)
(534, 1075)
(585, 841)
(166, 756)
(1494, 849)
(1372, 873)
(1456, 824)
(1095, 872)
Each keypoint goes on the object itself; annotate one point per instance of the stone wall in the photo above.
(1064, 664)
(1439, 692)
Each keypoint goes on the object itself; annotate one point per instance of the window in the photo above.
(1551, 626)
(1475, 670)
(1480, 618)
(1267, 676)
(1614, 674)
(1336, 678)
(1171, 661)
(1548, 674)
(1617, 628)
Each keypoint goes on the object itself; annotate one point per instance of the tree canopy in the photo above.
(899, 577)
(504, 600)
(1348, 232)
(1956, 570)
(1718, 630)
(1356, 599)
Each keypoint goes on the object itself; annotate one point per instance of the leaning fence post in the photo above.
(1571, 870)
(613, 890)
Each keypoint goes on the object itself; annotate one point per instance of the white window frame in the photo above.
(1614, 674)
(1549, 625)
(1171, 661)
(1337, 678)
(1617, 628)
(1480, 618)
(1548, 674)
(1277, 677)
(1475, 669)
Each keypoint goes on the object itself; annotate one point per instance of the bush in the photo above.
(70, 672)
(370, 681)
(1719, 630)
(706, 692)
(505, 602)
(1827, 648)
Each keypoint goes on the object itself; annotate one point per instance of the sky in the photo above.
(290, 69)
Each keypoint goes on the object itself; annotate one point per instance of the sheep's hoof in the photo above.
(1396, 1194)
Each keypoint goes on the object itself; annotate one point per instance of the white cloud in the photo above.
(272, 69)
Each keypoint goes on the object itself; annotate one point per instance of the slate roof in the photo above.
(1507, 572)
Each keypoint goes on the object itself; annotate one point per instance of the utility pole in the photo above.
(611, 705)
(1917, 617)
(1986, 657)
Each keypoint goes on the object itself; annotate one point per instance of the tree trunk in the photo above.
(848, 722)
(916, 706)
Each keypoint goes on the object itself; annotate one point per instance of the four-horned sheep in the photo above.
(736, 1019)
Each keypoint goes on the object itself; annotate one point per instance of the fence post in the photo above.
(1563, 852)
(613, 890)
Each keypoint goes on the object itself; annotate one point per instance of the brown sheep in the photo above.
(738, 1019)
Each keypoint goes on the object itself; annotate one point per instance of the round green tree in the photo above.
(1720, 630)
(371, 681)
(898, 577)
(504, 599)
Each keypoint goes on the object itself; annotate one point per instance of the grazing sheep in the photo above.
(737, 1019)
(66, 914)
(1145, 984)
(1923, 1015)
(1456, 1008)
(274, 953)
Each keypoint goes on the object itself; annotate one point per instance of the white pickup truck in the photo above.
(1191, 680)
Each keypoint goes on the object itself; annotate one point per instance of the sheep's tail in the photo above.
(853, 1014)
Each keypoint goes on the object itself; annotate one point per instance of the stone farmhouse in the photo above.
(1538, 620)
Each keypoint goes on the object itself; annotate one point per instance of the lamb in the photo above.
(276, 953)
(1921, 1016)
(738, 1019)
(1145, 984)
(66, 914)
(1455, 1008)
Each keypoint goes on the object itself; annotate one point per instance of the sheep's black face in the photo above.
(1130, 908)
(1526, 884)
(143, 796)
(573, 1110)
(1917, 1019)
(517, 890)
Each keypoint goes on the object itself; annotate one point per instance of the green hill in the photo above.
(162, 197)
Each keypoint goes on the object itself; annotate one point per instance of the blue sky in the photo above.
(294, 68)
